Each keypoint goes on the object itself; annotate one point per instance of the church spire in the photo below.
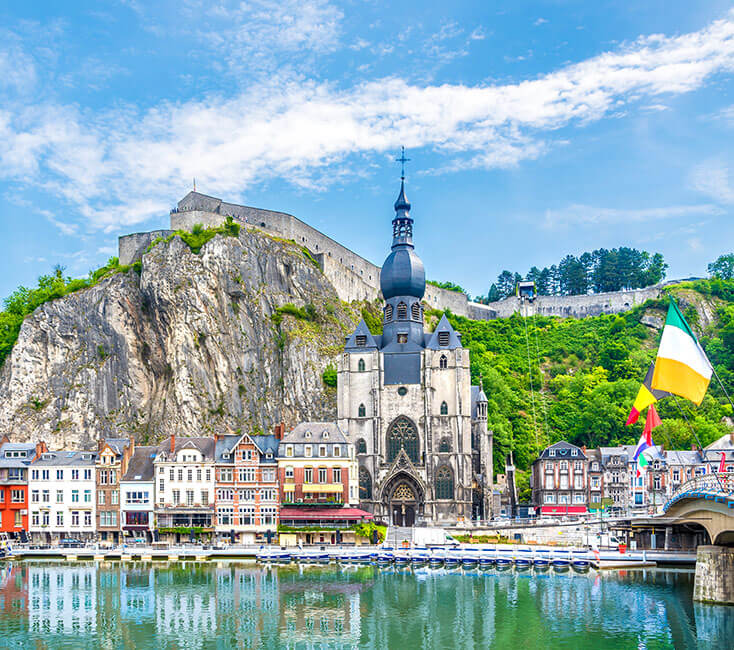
(402, 224)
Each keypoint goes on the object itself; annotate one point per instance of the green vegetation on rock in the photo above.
(329, 376)
(449, 286)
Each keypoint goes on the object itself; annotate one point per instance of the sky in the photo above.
(535, 129)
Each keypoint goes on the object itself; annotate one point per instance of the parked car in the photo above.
(70, 542)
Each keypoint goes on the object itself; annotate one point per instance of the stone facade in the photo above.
(714, 582)
(406, 401)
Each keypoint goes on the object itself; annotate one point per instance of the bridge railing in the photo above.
(715, 483)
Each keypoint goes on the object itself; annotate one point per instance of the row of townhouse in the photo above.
(571, 480)
(230, 486)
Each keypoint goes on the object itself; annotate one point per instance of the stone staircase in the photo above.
(396, 535)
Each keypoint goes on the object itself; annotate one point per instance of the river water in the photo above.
(202, 605)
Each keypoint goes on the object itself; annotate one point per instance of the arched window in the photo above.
(444, 483)
(443, 362)
(360, 365)
(402, 435)
(415, 311)
(444, 408)
(445, 446)
(402, 311)
(361, 411)
(388, 313)
(361, 446)
(365, 484)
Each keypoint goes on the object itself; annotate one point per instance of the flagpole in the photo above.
(721, 383)
(700, 446)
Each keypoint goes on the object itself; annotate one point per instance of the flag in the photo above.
(681, 366)
(645, 396)
(642, 446)
(641, 464)
(651, 421)
(722, 464)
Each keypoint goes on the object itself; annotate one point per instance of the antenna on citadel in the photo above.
(194, 184)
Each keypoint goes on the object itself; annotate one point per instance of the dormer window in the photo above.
(574, 452)
(269, 454)
(443, 339)
(415, 311)
(225, 455)
(402, 311)
(49, 456)
(307, 435)
(325, 435)
(361, 340)
(552, 453)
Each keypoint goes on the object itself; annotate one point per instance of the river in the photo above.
(207, 605)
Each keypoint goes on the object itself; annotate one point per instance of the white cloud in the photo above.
(713, 179)
(540, 21)
(122, 167)
(587, 215)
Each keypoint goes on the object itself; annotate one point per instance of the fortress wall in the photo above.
(132, 247)
(577, 306)
(444, 299)
(349, 286)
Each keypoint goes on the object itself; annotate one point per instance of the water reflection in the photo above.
(198, 605)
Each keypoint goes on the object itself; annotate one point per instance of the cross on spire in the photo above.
(402, 160)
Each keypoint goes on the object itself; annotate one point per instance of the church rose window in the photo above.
(361, 411)
(402, 311)
(444, 408)
(444, 483)
(445, 446)
(402, 435)
(443, 362)
(361, 446)
(360, 365)
(415, 310)
(365, 484)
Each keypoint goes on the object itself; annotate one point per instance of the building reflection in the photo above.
(62, 600)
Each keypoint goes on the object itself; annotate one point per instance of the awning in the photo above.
(563, 510)
(322, 488)
(323, 514)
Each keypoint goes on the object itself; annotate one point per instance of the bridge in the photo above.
(708, 501)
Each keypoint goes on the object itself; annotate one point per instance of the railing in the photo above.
(720, 483)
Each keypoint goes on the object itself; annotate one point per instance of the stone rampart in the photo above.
(575, 306)
(132, 247)
(355, 278)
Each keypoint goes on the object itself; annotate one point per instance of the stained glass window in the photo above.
(444, 483)
(402, 435)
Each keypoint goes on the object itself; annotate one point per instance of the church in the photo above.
(405, 399)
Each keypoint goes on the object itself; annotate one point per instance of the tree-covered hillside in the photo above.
(549, 378)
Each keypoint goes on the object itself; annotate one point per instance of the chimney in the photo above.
(216, 438)
(280, 431)
(731, 437)
(173, 444)
(583, 448)
(100, 444)
(40, 448)
(4, 439)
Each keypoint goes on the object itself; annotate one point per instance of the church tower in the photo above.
(405, 399)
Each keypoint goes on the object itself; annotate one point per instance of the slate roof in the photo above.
(268, 444)
(563, 452)
(362, 330)
(683, 457)
(8, 463)
(316, 429)
(63, 458)
(224, 445)
(443, 326)
(117, 445)
(140, 467)
(204, 445)
(725, 443)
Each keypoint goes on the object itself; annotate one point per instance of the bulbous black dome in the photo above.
(403, 274)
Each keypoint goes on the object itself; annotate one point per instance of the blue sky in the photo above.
(535, 129)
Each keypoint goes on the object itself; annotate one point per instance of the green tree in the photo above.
(723, 267)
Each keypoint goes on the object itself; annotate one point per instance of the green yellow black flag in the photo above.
(645, 396)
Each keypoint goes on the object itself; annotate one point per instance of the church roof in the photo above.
(369, 341)
(434, 342)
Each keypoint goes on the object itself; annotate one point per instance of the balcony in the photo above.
(322, 488)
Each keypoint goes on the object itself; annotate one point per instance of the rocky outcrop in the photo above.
(193, 344)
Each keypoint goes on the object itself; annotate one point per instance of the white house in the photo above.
(61, 496)
(137, 495)
(184, 486)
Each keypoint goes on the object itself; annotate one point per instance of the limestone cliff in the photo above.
(192, 344)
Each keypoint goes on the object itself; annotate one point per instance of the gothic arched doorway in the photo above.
(404, 501)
